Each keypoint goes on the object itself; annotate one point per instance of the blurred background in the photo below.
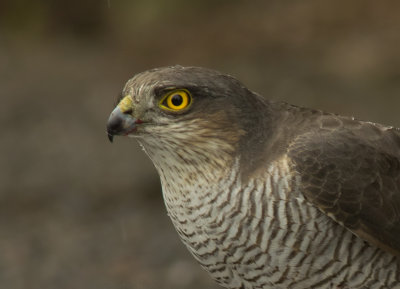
(78, 212)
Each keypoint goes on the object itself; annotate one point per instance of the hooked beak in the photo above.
(121, 123)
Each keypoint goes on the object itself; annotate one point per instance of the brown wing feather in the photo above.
(352, 173)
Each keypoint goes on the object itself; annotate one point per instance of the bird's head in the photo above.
(186, 114)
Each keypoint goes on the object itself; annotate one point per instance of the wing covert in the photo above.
(354, 177)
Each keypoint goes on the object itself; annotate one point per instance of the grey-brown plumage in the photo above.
(265, 194)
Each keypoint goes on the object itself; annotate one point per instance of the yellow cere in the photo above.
(126, 104)
(176, 100)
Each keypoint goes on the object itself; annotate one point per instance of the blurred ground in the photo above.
(78, 212)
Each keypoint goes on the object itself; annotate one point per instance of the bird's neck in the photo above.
(190, 171)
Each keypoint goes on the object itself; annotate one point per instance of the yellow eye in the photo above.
(176, 100)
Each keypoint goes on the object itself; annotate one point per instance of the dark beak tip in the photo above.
(110, 137)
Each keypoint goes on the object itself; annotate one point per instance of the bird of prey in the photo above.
(265, 194)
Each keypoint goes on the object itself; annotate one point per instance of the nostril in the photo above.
(128, 111)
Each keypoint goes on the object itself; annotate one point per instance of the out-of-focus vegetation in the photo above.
(78, 212)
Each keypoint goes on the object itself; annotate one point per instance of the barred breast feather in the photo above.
(267, 235)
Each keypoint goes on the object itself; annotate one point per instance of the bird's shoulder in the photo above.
(350, 170)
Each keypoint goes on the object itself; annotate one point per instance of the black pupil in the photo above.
(176, 99)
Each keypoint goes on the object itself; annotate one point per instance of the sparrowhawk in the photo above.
(265, 194)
